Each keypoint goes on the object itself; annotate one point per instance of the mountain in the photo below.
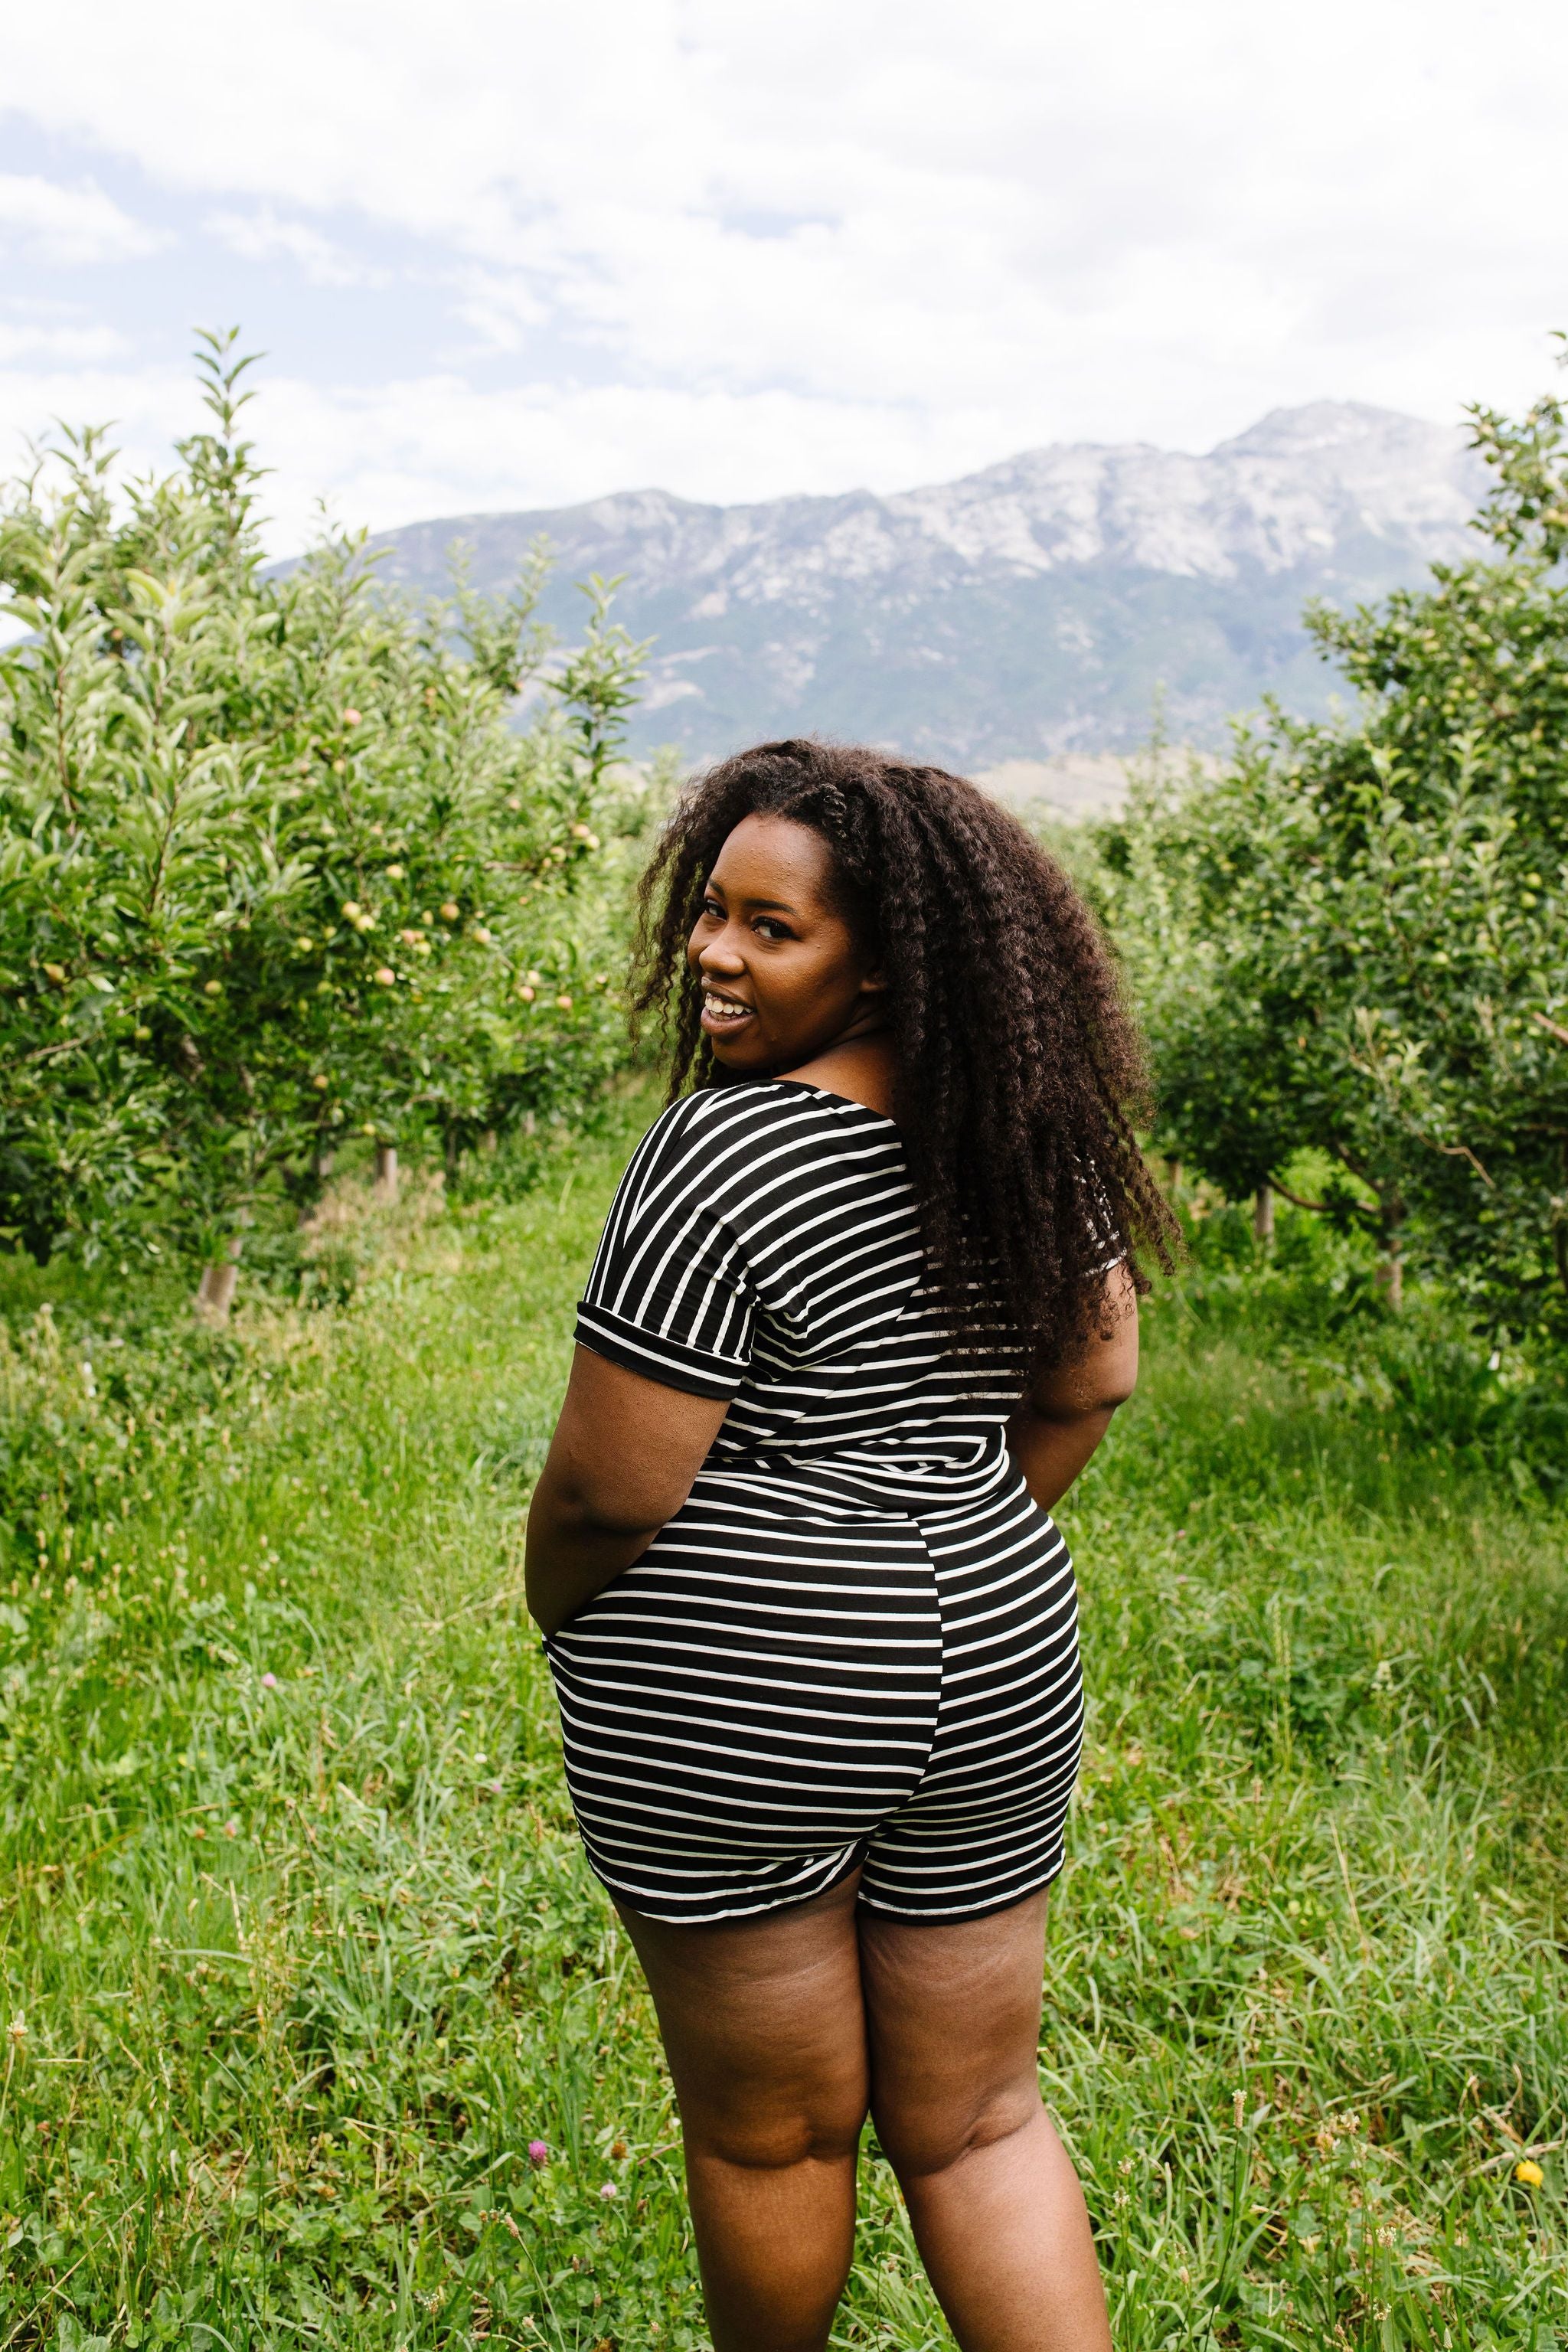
(1035, 609)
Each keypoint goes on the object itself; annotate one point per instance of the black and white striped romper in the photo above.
(857, 1641)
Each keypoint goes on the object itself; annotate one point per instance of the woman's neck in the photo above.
(859, 1067)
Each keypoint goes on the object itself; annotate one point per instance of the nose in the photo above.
(721, 952)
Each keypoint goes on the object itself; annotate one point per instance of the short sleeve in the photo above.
(669, 1295)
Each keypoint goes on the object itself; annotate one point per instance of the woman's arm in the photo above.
(621, 1463)
(1068, 1410)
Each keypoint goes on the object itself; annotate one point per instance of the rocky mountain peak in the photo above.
(1329, 425)
(1034, 608)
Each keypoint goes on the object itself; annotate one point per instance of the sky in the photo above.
(505, 255)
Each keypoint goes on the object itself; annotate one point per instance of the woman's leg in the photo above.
(952, 2018)
(766, 2033)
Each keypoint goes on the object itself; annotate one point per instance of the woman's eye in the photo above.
(770, 929)
(714, 912)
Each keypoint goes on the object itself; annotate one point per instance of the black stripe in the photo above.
(857, 1641)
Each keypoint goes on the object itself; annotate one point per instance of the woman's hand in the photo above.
(621, 1463)
(1068, 1412)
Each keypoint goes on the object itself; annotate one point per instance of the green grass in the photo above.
(296, 1967)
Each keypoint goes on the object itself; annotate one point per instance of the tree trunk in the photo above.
(385, 1171)
(1391, 1269)
(489, 1142)
(451, 1153)
(310, 1195)
(214, 1291)
(1263, 1215)
(1173, 1177)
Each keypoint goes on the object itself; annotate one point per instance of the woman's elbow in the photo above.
(1089, 1391)
(591, 1506)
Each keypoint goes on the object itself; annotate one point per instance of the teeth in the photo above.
(722, 1008)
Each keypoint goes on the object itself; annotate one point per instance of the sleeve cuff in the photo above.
(669, 1361)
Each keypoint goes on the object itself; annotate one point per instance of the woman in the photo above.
(863, 1310)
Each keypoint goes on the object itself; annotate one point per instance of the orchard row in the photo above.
(1351, 949)
(277, 863)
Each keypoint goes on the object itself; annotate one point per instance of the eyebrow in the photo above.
(773, 905)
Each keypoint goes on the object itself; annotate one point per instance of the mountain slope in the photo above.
(1039, 606)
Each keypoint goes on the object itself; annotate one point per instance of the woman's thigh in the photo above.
(764, 2028)
(953, 2024)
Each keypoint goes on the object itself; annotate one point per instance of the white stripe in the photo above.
(860, 1594)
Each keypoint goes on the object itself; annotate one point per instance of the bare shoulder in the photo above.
(861, 1073)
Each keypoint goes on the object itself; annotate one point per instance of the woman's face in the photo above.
(782, 975)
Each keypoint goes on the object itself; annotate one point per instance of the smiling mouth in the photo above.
(723, 1014)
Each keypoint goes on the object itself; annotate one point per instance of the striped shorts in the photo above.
(823, 1663)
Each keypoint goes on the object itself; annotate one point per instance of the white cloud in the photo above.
(59, 346)
(434, 444)
(146, 407)
(798, 245)
(67, 227)
(265, 236)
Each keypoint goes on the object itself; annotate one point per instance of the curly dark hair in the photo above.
(1018, 1074)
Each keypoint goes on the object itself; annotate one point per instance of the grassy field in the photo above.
(299, 1954)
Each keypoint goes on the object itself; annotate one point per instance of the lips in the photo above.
(723, 1015)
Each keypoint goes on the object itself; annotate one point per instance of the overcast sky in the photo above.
(504, 254)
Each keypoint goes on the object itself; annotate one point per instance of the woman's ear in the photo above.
(875, 981)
